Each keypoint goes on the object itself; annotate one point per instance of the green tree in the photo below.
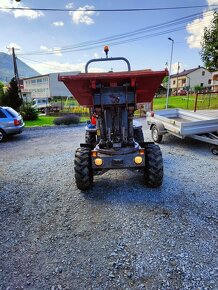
(12, 98)
(209, 44)
(1, 94)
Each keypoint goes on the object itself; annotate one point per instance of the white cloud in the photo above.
(12, 44)
(196, 27)
(175, 67)
(58, 23)
(55, 66)
(30, 14)
(69, 6)
(54, 50)
(83, 16)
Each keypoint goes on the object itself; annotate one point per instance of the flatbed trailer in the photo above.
(182, 123)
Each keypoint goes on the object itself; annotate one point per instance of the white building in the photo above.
(199, 76)
(215, 81)
(46, 86)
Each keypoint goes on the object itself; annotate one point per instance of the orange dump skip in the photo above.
(83, 85)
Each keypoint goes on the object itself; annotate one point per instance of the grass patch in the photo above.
(174, 102)
(47, 121)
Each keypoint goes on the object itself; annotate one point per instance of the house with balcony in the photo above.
(190, 78)
(45, 86)
(215, 81)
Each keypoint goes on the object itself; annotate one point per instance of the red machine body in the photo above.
(83, 85)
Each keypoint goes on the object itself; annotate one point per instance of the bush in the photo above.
(29, 113)
(67, 120)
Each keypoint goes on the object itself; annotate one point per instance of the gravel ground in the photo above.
(120, 235)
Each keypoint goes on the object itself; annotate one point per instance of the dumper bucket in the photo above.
(83, 85)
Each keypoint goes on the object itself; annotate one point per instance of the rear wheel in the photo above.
(2, 135)
(90, 138)
(83, 169)
(153, 173)
(138, 135)
(156, 135)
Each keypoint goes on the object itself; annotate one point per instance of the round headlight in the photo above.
(138, 160)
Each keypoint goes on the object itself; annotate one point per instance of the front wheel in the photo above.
(153, 173)
(2, 135)
(156, 135)
(138, 135)
(214, 150)
(83, 169)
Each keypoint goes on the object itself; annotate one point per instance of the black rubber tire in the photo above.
(214, 150)
(153, 173)
(138, 135)
(2, 135)
(157, 138)
(90, 138)
(83, 169)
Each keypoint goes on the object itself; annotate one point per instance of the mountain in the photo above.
(7, 68)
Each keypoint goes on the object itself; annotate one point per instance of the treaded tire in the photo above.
(83, 169)
(138, 135)
(2, 136)
(155, 134)
(90, 138)
(153, 166)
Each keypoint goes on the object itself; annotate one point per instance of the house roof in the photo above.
(186, 72)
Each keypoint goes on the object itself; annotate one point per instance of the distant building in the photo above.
(45, 86)
(190, 78)
(215, 81)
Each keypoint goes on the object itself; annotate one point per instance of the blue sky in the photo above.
(38, 33)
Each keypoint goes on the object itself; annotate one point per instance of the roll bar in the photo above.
(107, 59)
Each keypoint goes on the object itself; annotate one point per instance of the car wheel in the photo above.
(2, 135)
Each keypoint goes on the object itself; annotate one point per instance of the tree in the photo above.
(12, 98)
(209, 50)
(1, 94)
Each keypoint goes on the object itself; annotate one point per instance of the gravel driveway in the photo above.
(120, 235)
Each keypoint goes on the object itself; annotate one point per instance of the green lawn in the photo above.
(181, 102)
(187, 103)
(47, 121)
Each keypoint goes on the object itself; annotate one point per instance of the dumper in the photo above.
(115, 141)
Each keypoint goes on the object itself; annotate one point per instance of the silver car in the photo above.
(11, 122)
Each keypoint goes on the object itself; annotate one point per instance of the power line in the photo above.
(122, 38)
(107, 10)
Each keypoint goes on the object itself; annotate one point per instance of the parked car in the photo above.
(11, 122)
(180, 93)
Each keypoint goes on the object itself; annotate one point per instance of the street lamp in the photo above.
(168, 85)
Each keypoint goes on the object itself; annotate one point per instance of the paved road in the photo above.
(120, 235)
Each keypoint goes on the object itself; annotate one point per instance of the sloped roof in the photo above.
(186, 72)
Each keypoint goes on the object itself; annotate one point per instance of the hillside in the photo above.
(7, 68)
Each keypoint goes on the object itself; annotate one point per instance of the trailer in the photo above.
(183, 124)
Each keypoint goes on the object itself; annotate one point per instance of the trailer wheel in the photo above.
(83, 169)
(138, 135)
(2, 135)
(214, 150)
(153, 173)
(155, 134)
(90, 138)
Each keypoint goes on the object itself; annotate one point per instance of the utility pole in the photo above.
(16, 75)
(168, 85)
(178, 67)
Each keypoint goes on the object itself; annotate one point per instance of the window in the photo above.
(33, 82)
(184, 81)
(174, 82)
(2, 115)
(209, 82)
(203, 73)
(202, 84)
(12, 112)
